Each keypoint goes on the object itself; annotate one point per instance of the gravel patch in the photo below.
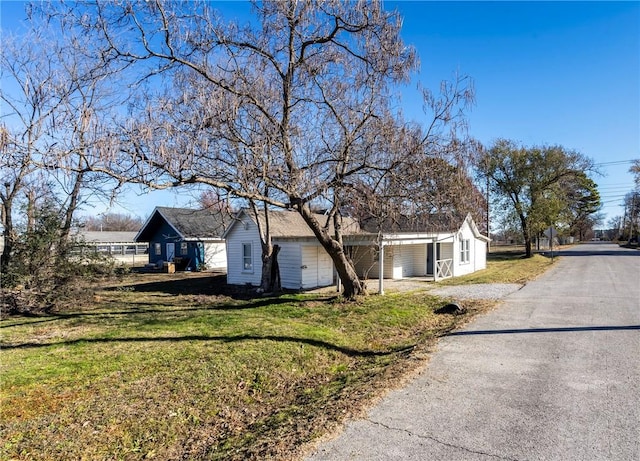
(478, 291)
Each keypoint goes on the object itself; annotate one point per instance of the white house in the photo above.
(461, 250)
(304, 263)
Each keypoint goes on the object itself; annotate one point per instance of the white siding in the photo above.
(409, 260)
(369, 267)
(215, 255)
(461, 268)
(309, 267)
(446, 250)
(325, 268)
(479, 254)
(418, 260)
(317, 267)
(235, 239)
(362, 257)
(399, 261)
(389, 252)
(289, 262)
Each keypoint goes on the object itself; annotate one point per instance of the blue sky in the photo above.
(563, 73)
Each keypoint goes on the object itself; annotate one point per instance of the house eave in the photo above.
(143, 229)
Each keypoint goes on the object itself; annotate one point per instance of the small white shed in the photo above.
(303, 262)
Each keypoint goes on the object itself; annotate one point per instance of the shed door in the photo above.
(171, 251)
(317, 267)
(325, 268)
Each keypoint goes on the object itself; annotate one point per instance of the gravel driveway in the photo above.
(489, 291)
(478, 291)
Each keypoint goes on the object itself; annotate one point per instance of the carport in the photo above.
(402, 255)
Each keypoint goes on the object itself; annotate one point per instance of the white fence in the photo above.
(130, 253)
(444, 268)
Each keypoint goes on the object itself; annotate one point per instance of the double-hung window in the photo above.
(247, 259)
(464, 251)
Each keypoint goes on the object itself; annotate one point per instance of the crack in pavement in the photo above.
(434, 439)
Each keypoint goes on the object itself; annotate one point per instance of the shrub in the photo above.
(46, 270)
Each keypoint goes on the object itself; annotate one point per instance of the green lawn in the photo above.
(167, 368)
(144, 374)
(506, 267)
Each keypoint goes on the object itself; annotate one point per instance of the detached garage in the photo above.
(303, 262)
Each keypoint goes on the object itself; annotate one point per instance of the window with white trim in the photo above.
(465, 246)
(184, 248)
(158, 248)
(247, 259)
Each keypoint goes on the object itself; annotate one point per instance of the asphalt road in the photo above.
(553, 374)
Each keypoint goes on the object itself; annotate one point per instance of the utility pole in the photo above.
(633, 216)
(488, 222)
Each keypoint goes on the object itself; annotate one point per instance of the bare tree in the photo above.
(634, 169)
(112, 222)
(289, 112)
(29, 98)
(81, 130)
(631, 220)
(56, 100)
(430, 193)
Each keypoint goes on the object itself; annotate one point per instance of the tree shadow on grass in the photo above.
(216, 284)
(225, 339)
(142, 308)
(213, 285)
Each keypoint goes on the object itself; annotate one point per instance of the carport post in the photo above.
(381, 269)
(434, 252)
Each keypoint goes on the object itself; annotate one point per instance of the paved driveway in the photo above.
(553, 374)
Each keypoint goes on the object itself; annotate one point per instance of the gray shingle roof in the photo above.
(189, 223)
(107, 236)
(441, 222)
(289, 223)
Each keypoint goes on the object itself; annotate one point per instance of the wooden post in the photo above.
(381, 269)
(435, 261)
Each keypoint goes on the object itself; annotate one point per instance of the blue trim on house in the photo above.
(160, 231)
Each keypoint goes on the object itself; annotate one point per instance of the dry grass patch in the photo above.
(169, 368)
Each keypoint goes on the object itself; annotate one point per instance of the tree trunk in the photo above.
(8, 235)
(275, 270)
(65, 231)
(5, 258)
(527, 246)
(270, 279)
(527, 236)
(352, 286)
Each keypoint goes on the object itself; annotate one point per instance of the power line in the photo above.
(615, 162)
(616, 188)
